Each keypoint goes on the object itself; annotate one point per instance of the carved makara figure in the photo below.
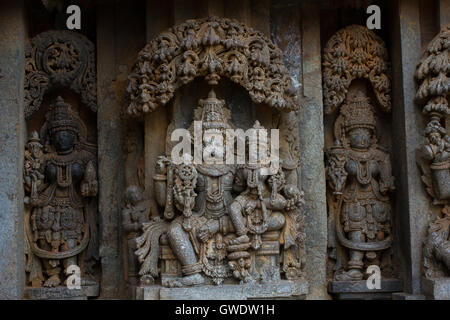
(207, 234)
(59, 181)
(434, 156)
(360, 178)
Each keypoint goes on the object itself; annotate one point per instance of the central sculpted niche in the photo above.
(221, 221)
(212, 224)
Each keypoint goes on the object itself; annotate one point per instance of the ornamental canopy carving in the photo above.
(211, 48)
(59, 59)
(433, 73)
(355, 52)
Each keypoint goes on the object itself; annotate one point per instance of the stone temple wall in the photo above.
(88, 177)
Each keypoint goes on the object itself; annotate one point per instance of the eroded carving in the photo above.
(432, 75)
(222, 223)
(355, 52)
(59, 58)
(358, 170)
(359, 176)
(210, 48)
(60, 180)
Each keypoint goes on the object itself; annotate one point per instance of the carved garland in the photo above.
(59, 58)
(210, 48)
(355, 52)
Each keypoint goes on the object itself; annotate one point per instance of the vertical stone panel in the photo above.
(311, 154)
(12, 131)
(444, 12)
(411, 202)
(116, 50)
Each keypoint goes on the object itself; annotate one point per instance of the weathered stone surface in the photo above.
(12, 133)
(311, 148)
(407, 296)
(436, 289)
(411, 200)
(62, 293)
(283, 289)
(121, 30)
(387, 285)
(358, 290)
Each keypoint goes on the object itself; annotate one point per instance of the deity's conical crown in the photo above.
(213, 116)
(61, 117)
(358, 112)
(34, 139)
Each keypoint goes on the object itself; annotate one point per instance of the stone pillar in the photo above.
(12, 131)
(311, 154)
(109, 155)
(444, 12)
(120, 36)
(412, 204)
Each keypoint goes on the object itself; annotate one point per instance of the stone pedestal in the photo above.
(62, 293)
(358, 290)
(273, 290)
(436, 289)
(407, 296)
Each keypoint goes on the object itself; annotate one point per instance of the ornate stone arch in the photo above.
(59, 58)
(355, 52)
(211, 48)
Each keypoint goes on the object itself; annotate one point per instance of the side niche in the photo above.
(60, 168)
(213, 227)
(433, 157)
(358, 168)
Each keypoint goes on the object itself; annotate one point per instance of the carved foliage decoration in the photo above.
(59, 58)
(433, 74)
(211, 48)
(355, 52)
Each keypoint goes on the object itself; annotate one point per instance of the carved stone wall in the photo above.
(85, 142)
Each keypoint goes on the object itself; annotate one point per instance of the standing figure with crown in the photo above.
(359, 175)
(58, 223)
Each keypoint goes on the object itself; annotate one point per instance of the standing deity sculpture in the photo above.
(360, 179)
(221, 221)
(358, 171)
(60, 181)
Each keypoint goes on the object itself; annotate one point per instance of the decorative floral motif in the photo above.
(355, 52)
(211, 48)
(59, 58)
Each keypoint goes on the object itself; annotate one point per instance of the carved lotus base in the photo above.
(284, 289)
(436, 289)
(358, 290)
(62, 293)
